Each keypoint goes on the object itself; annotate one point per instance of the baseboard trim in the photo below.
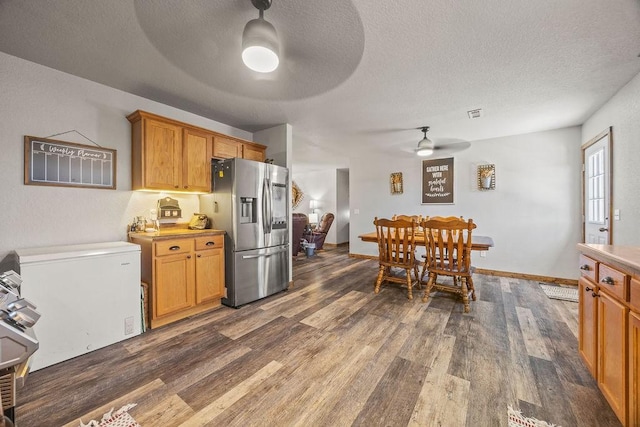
(336, 245)
(361, 256)
(525, 276)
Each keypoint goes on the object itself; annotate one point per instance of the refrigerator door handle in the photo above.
(265, 195)
(270, 204)
(264, 255)
(267, 215)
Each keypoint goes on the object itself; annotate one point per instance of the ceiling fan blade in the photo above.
(447, 149)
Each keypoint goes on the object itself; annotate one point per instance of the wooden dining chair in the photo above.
(448, 253)
(416, 218)
(396, 247)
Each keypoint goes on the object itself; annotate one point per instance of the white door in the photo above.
(596, 155)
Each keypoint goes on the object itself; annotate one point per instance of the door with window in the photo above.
(596, 183)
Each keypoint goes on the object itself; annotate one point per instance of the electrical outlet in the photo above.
(128, 325)
(483, 254)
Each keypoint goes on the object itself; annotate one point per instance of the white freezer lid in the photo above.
(55, 253)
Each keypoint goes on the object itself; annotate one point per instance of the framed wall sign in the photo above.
(437, 181)
(65, 164)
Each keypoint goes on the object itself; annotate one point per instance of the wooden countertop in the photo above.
(624, 256)
(174, 232)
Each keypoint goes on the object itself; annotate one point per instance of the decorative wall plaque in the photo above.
(396, 183)
(65, 164)
(487, 177)
(437, 181)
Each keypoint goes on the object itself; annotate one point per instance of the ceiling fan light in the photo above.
(425, 147)
(260, 46)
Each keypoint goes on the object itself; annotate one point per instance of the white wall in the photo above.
(320, 186)
(39, 101)
(342, 206)
(278, 142)
(533, 215)
(622, 112)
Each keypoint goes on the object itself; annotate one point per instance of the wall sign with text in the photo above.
(60, 163)
(437, 181)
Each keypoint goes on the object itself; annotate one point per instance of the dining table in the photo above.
(478, 243)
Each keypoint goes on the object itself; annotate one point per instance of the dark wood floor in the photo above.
(329, 352)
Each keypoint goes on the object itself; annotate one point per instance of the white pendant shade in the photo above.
(425, 147)
(260, 46)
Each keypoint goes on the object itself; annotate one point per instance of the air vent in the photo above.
(475, 114)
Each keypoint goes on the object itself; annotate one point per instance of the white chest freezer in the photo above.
(88, 297)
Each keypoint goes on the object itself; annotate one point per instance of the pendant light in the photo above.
(425, 146)
(260, 45)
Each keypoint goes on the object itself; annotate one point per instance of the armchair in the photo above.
(318, 235)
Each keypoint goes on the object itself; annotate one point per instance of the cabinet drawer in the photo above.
(612, 281)
(634, 294)
(172, 247)
(588, 267)
(209, 242)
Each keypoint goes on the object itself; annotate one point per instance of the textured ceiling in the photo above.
(354, 73)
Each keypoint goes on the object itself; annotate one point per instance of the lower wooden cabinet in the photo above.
(172, 289)
(612, 353)
(209, 273)
(634, 369)
(609, 325)
(588, 313)
(186, 275)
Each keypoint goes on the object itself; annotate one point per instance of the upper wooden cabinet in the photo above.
(226, 148)
(169, 155)
(196, 160)
(253, 152)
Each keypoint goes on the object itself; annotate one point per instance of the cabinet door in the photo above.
(252, 153)
(587, 308)
(162, 155)
(634, 369)
(196, 156)
(612, 352)
(225, 148)
(209, 275)
(173, 286)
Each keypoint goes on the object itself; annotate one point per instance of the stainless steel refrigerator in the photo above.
(249, 202)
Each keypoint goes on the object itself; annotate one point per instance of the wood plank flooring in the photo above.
(329, 352)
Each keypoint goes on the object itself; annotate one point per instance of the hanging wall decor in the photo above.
(437, 181)
(396, 183)
(296, 195)
(487, 177)
(61, 163)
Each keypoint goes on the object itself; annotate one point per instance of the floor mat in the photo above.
(560, 292)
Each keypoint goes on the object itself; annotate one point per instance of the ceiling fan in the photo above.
(427, 148)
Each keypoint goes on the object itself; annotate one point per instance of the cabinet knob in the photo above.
(608, 280)
(188, 256)
(209, 243)
(588, 289)
(593, 294)
(174, 248)
(585, 267)
(199, 255)
(186, 186)
(177, 186)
